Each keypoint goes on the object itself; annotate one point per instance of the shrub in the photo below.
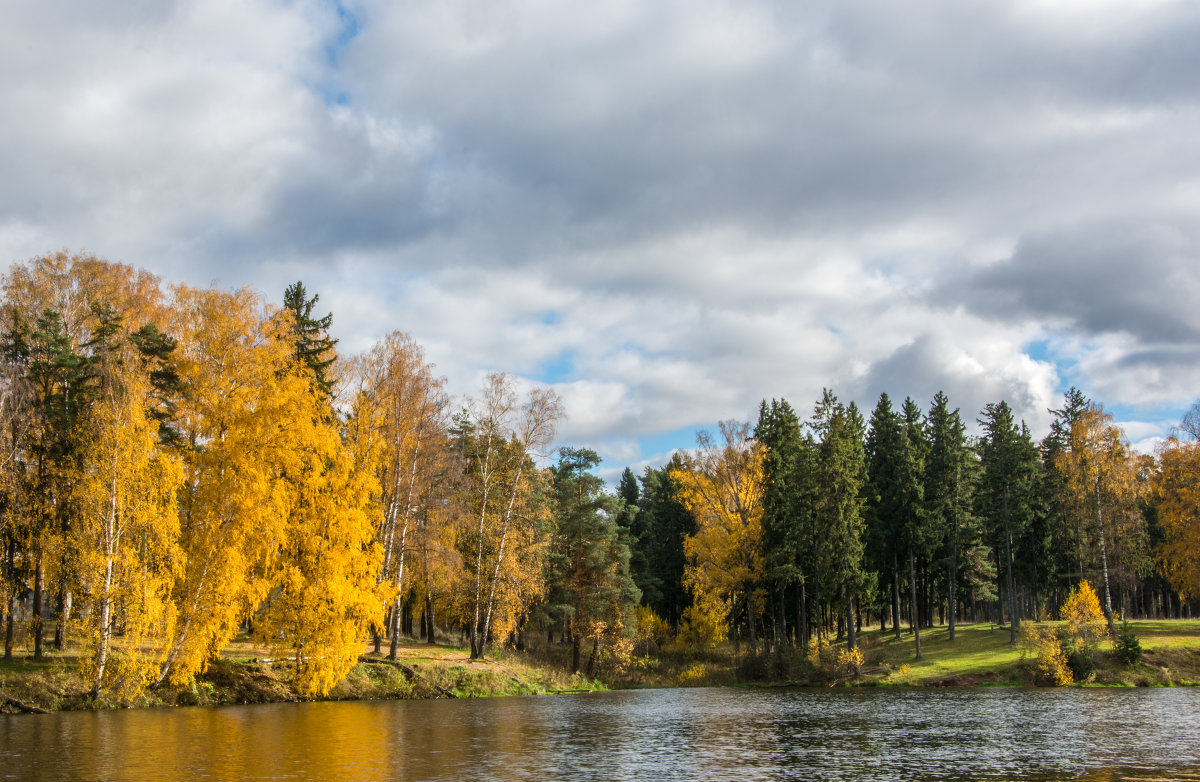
(849, 660)
(1127, 647)
(693, 677)
(702, 625)
(653, 632)
(1082, 664)
(819, 653)
(1051, 665)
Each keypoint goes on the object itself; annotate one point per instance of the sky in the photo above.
(668, 210)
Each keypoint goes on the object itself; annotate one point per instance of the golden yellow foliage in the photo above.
(1177, 487)
(819, 652)
(399, 425)
(703, 624)
(652, 630)
(126, 531)
(849, 660)
(1050, 661)
(1083, 616)
(721, 485)
(1101, 476)
(238, 423)
(275, 509)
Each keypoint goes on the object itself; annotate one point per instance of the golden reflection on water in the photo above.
(678, 735)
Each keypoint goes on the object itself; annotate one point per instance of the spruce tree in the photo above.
(664, 523)
(948, 493)
(314, 346)
(784, 502)
(595, 591)
(840, 476)
(1006, 498)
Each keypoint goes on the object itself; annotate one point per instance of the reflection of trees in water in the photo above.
(701, 734)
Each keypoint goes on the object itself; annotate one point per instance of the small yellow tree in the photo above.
(1050, 666)
(1084, 618)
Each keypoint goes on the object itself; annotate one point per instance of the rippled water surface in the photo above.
(700, 734)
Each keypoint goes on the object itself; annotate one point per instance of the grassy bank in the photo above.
(244, 674)
(982, 654)
(979, 656)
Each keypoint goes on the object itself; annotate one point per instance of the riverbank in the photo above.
(982, 655)
(979, 656)
(244, 674)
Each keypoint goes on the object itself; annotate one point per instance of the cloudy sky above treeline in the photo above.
(668, 209)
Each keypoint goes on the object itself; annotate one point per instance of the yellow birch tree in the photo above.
(125, 528)
(1102, 481)
(721, 485)
(401, 409)
(508, 502)
(237, 424)
(1177, 490)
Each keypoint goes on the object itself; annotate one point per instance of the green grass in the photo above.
(978, 651)
(981, 654)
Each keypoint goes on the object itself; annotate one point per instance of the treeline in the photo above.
(181, 465)
(805, 531)
(178, 465)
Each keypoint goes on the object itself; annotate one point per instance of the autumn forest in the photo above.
(179, 466)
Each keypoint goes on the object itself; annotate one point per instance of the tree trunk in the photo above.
(64, 616)
(912, 582)
(851, 634)
(394, 630)
(750, 621)
(1012, 592)
(1108, 612)
(781, 632)
(39, 588)
(802, 616)
(11, 603)
(575, 661)
(592, 657)
(951, 600)
(820, 616)
(896, 594)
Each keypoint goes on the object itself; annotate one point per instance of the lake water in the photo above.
(693, 734)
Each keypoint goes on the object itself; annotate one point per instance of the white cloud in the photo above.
(670, 210)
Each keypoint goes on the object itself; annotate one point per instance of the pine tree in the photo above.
(786, 501)
(594, 588)
(896, 471)
(882, 536)
(313, 345)
(948, 492)
(665, 522)
(1010, 470)
(839, 479)
(1070, 540)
